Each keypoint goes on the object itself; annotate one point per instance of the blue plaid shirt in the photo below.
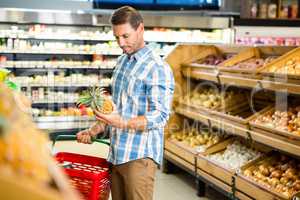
(142, 85)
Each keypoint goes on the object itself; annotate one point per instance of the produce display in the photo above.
(69, 63)
(63, 47)
(200, 140)
(151, 34)
(235, 156)
(61, 79)
(292, 67)
(283, 120)
(96, 98)
(253, 63)
(42, 95)
(213, 59)
(213, 99)
(23, 148)
(71, 111)
(279, 172)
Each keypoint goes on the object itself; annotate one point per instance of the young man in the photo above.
(142, 90)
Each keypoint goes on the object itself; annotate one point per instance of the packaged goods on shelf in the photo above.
(156, 34)
(63, 47)
(105, 64)
(278, 41)
(72, 80)
(235, 155)
(44, 47)
(278, 173)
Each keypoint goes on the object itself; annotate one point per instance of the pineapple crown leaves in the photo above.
(93, 97)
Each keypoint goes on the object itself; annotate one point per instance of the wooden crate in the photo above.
(212, 168)
(228, 107)
(264, 128)
(215, 169)
(242, 110)
(252, 188)
(190, 113)
(181, 153)
(222, 185)
(212, 50)
(270, 69)
(227, 67)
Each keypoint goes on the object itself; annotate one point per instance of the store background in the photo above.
(57, 49)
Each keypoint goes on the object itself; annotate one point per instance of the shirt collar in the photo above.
(140, 53)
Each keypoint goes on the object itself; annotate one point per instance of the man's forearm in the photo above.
(137, 123)
(97, 128)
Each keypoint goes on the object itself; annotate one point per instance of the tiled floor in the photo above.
(175, 186)
(167, 186)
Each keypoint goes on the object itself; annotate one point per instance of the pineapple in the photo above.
(97, 100)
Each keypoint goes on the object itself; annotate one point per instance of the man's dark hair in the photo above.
(126, 14)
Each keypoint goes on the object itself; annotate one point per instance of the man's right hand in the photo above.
(84, 136)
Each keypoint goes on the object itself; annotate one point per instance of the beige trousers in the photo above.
(133, 180)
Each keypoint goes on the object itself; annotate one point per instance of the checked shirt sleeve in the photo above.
(159, 89)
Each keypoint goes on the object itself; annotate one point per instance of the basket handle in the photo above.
(73, 137)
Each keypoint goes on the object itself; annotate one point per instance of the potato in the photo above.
(274, 181)
(276, 174)
(248, 173)
(297, 186)
(284, 180)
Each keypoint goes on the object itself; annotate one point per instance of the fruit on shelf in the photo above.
(23, 148)
(291, 67)
(283, 120)
(200, 140)
(3, 74)
(253, 63)
(71, 111)
(213, 59)
(235, 156)
(213, 99)
(96, 99)
(279, 172)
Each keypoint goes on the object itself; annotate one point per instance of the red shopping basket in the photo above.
(89, 175)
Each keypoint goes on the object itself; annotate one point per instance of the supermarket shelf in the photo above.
(54, 102)
(66, 52)
(107, 38)
(267, 22)
(60, 67)
(64, 85)
(61, 126)
(60, 52)
(63, 119)
(52, 37)
(269, 139)
(241, 81)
